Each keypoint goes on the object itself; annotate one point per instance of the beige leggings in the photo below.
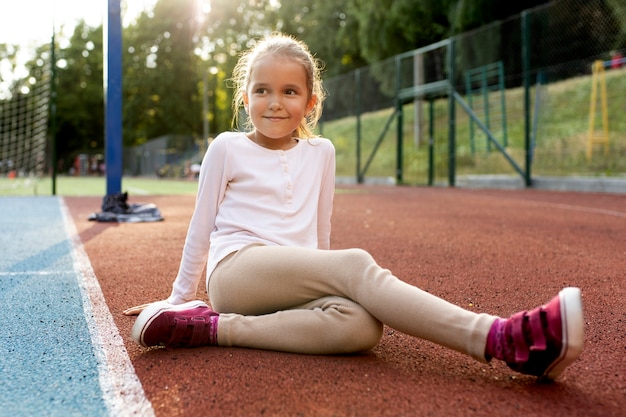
(329, 301)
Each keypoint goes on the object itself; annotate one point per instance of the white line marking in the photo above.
(139, 191)
(121, 388)
(575, 208)
(31, 273)
(564, 206)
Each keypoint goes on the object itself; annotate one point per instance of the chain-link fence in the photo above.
(527, 101)
(24, 110)
(170, 156)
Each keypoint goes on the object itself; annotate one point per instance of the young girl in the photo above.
(261, 226)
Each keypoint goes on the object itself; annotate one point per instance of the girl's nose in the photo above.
(275, 103)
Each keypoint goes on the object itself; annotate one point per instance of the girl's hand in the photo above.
(133, 311)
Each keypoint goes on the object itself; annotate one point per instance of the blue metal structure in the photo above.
(113, 98)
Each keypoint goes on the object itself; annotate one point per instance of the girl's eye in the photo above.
(291, 92)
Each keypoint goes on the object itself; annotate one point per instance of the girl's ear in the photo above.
(311, 104)
(246, 101)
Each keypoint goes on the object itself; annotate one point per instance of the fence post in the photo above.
(400, 124)
(399, 147)
(431, 141)
(53, 112)
(451, 113)
(357, 105)
(418, 80)
(526, 71)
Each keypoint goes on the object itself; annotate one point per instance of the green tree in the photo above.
(389, 27)
(225, 32)
(337, 48)
(160, 81)
(466, 15)
(80, 102)
(8, 58)
(618, 9)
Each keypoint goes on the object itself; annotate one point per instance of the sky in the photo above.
(32, 21)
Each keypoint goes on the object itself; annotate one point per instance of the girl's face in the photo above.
(277, 100)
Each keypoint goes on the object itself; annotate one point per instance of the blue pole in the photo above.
(113, 98)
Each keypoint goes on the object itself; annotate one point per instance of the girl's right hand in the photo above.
(133, 311)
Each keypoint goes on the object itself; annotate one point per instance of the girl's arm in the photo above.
(211, 186)
(325, 204)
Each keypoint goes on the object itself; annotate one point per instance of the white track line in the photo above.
(28, 274)
(572, 207)
(562, 206)
(139, 191)
(121, 389)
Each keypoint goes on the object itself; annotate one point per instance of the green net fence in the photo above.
(528, 79)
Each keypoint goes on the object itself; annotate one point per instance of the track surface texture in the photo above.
(486, 250)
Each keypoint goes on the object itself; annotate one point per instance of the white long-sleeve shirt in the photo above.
(251, 194)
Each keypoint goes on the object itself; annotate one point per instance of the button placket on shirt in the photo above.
(287, 177)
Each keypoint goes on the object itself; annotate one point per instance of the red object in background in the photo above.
(616, 60)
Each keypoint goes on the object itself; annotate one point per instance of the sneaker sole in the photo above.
(570, 301)
(151, 312)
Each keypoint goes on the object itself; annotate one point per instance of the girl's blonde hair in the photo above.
(291, 48)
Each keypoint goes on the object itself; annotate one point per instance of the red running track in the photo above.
(485, 250)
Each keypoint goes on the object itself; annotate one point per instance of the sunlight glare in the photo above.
(29, 22)
(203, 8)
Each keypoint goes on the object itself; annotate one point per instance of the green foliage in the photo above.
(80, 102)
(618, 10)
(338, 47)
(160, 80)
(228, 30)
(387, 28)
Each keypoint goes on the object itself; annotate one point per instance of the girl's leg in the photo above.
(311, 301)
(268, 290)
(328, 325)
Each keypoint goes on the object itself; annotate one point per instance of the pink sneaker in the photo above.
(543, 341)
(185, 325)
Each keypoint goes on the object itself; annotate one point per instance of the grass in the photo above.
(94, 186)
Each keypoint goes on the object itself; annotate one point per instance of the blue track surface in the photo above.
(47, 362)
